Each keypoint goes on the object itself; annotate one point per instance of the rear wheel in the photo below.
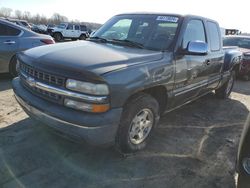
(82, 37)
(13, 67)
(139, 118)
(225, 90)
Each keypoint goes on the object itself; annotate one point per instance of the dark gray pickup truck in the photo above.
(112, 88)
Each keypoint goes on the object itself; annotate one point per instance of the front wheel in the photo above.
(58, 37)
(13, 67)
(139, 118)
(225, 90)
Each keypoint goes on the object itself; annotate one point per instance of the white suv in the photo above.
(68, 30)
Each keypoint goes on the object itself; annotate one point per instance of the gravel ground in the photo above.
(194, 146)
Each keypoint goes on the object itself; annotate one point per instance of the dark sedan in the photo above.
(243, 159)
(14, 38)
(243, 43)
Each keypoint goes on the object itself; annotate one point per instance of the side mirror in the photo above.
(197, 48)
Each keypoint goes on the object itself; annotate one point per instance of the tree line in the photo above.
(56, 18)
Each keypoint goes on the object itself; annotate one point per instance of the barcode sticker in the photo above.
(168, 19)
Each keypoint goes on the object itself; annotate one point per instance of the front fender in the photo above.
(128, 81)
(232, 58)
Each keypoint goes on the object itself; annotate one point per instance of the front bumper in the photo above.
(244, 67)
(97, 129)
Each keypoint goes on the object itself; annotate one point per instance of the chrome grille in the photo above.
(42, 76)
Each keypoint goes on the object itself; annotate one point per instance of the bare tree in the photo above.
(41, 19)
(5, 12)
(57, 18)
(27, 15)
(18, 14)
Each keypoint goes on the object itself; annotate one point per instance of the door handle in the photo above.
(207, 62)
(9, 42)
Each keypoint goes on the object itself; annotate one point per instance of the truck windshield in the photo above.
(237, 41)
(61, 26)
(154, 32)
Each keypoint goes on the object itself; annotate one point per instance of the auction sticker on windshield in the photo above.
(168, 19)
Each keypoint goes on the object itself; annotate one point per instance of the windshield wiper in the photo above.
(129, 42)
(98, 39)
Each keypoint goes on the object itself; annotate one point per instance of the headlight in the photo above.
(86, 87)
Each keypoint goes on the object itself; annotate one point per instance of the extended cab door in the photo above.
(191, 74)
(215, 54)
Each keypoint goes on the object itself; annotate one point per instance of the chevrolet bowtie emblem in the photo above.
(31, 81)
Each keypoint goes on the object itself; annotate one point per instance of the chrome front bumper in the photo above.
(97, 129)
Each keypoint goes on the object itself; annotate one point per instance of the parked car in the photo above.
(14, 38)
(243, 44)
(40, 28)
(22, 23)
(50, 28)
(112, 88)
(243, 158)
(71, 31)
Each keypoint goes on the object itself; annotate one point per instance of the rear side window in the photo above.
(83, 28)
(6, 30)
(194, 32)
(77, 27)
(214, 36)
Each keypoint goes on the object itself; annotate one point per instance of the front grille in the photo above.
(42, 76)
(52, 97)
(45, 78)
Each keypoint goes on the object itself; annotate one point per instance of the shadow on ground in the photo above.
(242, 87)
(192, 147)
(5, 82)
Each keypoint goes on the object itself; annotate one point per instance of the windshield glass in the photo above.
(240, 42)
(61, 26)
(153, 32)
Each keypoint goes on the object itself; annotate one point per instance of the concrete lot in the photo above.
(194, 146)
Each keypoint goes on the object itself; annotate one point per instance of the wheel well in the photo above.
(11, 61)
(57, 32)
(157, 92)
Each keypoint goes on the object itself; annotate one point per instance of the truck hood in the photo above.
(81, 56)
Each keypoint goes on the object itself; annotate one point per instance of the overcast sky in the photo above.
(229, 14)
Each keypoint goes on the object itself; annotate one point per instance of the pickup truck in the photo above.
(69, 31)
(113, 88)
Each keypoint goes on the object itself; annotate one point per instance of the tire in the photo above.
(246, 77)
(82, 37)
(139, 117)
(13, 67)
(225, 90)
(58, 37)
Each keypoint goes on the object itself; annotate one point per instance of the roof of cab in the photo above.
(162, 14)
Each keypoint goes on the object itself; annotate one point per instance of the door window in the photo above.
(8, 31)
(70, 27)
(214, 36)
(77, 27)
(194, 32)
